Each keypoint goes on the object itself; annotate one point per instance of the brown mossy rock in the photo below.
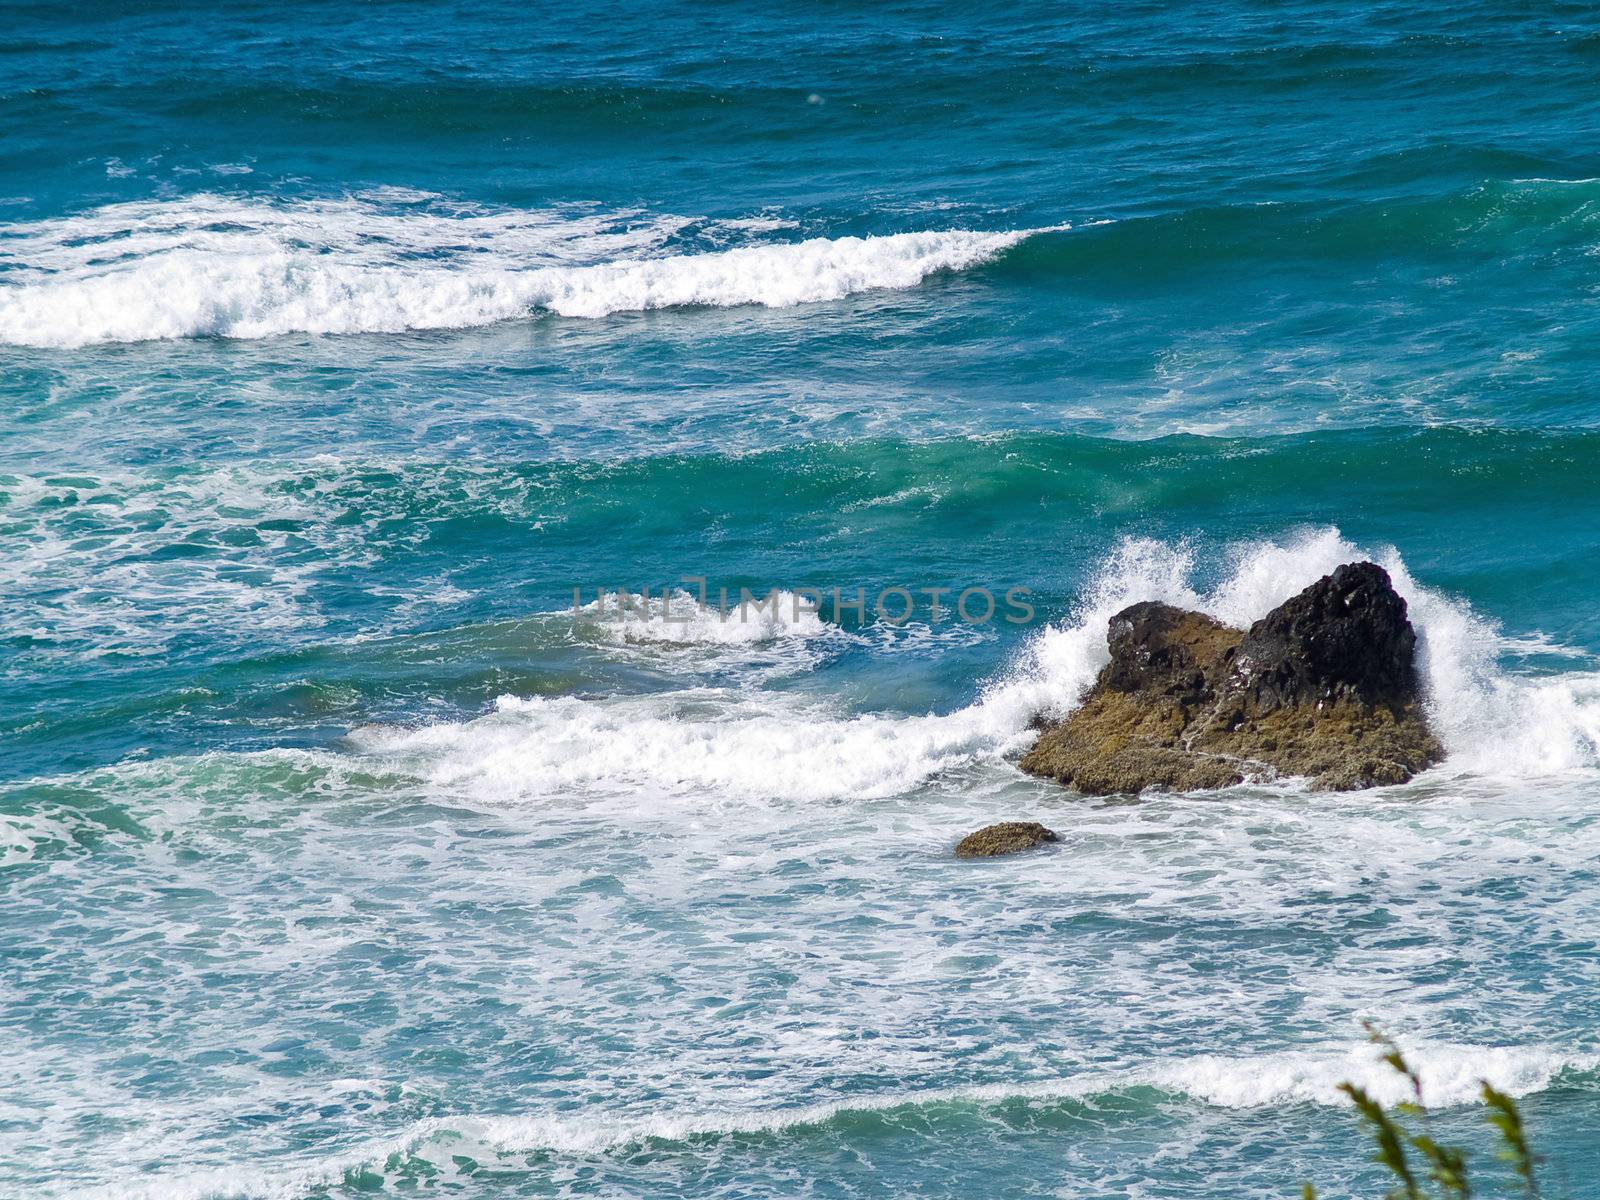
(1324, 686)
(1119, 742)
(1008, 837)
(1341, 747)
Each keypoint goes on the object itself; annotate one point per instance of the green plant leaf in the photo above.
(1389, 1138)
(1504, 1115)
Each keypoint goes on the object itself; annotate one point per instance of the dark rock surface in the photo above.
(1008, 837)
(1345, 638)
(1325, 686)
(1158, 648)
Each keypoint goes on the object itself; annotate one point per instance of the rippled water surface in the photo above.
(342, 855)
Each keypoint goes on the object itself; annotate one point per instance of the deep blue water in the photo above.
(340, 342)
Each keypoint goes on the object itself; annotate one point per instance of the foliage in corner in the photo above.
(1423, 1168)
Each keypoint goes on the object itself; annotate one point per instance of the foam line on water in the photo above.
(209, 266)
(1452, 1074)
(724, 741)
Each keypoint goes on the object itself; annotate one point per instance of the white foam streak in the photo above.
(686, 743)
(775, 276)
(212, 267)
(1452, 1075)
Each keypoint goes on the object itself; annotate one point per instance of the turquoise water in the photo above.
(339, 343)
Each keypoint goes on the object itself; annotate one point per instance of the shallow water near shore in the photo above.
(341, 855)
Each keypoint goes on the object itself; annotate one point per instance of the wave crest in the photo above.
(1451, 1074)
(211, 267)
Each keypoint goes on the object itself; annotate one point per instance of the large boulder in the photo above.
(1324, 686)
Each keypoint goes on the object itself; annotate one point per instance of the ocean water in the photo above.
(341, 854)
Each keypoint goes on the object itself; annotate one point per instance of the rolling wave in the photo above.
(247, 540)
(213, 267)
(391, 261)
(1452, 1075)
(1511, 218)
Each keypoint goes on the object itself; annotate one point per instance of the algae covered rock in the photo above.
(1325, 686)
(1008, 837)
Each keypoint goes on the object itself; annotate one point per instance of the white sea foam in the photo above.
(209, 266)
(21, 835)
(760, 745)
(1540, 644)
(1452, 1075)
(107, 595)
(730, 743)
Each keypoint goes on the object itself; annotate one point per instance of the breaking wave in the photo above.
(210, 266)
(767, 745)
(1452, 1075)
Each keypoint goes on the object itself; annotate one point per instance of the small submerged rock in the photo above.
(1008, 837)
(1324, 686)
